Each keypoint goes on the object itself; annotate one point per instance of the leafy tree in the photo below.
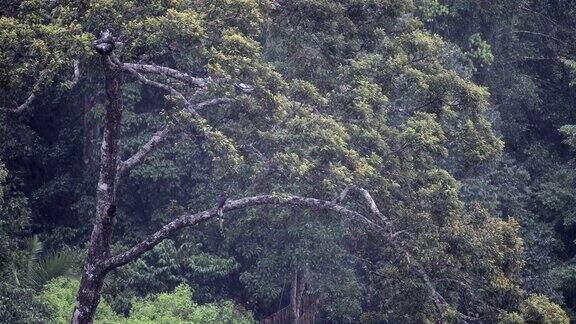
(531, 43)
(537, 309)
(13, 221)
(36, 270)
(166, 267)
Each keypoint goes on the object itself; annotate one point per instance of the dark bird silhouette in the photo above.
(220, 210)
(105, 44)
(221, 203)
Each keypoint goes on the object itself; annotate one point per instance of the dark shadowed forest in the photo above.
(288, 161)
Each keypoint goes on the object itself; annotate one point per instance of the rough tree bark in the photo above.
(297, 294)
(99, 248)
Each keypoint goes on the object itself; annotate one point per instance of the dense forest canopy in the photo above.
(209, 161)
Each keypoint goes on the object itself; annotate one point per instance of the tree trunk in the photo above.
(88, 296)
(99, 249)
(297, 294)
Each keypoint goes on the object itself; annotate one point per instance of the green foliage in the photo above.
(58, 297)
(54, 264)
(35, 247)
(480, 51)
(176, 307)
(571, 64)
(569, 131)
(375, 93)
(39, 53)
(537, 309)
(14, 218)
(429, 10)
(34, 269)
(167, 266)
(530, 79)
(19, 304)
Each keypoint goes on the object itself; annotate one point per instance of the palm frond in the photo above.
(35, 248)
(55, 264)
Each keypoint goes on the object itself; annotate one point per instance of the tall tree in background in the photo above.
(522, 51)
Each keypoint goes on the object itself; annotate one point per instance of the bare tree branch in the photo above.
(144, 151)
(342, 195)
(38, 85)
(191, 219)
(72, 83)
(371, 203)
(144, 80)
(161, 135)
(369, 200)
(182, 76)
(168, 72)
(33, 93)
(189, 106)
(213, 102)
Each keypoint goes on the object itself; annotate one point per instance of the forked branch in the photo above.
(192, 108)
(367, 197)
(391, 235)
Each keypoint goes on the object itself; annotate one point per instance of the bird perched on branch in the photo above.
(105, 44)
(220, 210)
(244, 87)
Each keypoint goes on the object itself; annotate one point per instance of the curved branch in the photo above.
(144, 80)
(144, 151)
(72, 83)
(35, 89)
(166, 71)
(367, 196)
(371, 203)
(417, 267)
(191, 219)
(171, 228)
